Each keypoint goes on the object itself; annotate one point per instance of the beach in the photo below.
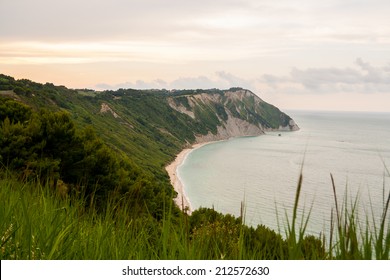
(181, 200)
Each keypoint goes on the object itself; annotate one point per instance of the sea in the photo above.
(258, 176)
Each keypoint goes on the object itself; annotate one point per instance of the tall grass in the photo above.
(36, 223)
(352, 238)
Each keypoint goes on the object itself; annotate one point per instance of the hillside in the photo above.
(231, 113)
(152, 126)
(101, 157)
(82, 176)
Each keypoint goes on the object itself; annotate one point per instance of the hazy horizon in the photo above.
(297, 55)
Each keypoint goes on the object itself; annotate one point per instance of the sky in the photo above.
(302, 54)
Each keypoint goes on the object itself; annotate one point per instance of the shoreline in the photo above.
(182, 201)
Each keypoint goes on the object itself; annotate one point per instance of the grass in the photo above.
(37, 223)
(352, 239)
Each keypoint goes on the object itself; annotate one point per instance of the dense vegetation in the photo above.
(47, 145)
(38, 224)
(80, 182)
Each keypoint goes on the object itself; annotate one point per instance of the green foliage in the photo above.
(14, 111)
(36, 223)
(146, 128)
(94, 182)
(63, 228)
(183, 100)
(207, 118)
(273, 116)
(228, 238)
(264, 243)
(48, 146)
(6, 82)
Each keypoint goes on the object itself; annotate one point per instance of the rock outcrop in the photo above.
(233, 113)
(105, 109)
(233, 127)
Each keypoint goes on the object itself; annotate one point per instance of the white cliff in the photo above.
(245, 114)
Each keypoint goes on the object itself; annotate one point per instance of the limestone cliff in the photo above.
(231, 113)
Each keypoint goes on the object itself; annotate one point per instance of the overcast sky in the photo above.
(302, 54)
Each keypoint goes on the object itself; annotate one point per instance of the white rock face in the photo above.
(105, 109)
(233, 127)
(292, 126)
(180, 108)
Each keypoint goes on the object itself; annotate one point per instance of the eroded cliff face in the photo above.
(292, 126)
(234, 113)
(232, 127)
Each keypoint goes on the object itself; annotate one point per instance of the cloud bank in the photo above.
(278, 48)
(221, 80)
(361, 77)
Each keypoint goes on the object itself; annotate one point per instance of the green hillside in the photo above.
(142, 124)
(82, 176)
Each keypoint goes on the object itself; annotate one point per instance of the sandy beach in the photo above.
(181, 200)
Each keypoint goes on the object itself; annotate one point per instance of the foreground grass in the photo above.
(36, 223)
(349, 238)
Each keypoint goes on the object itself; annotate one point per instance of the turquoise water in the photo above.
(263, 171)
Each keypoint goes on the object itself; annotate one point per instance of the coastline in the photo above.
(181, 200)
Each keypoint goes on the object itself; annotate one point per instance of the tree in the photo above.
(15, 111)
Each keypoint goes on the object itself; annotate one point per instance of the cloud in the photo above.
(362, 78)
(315, 78)
(119, 19)
(47, 20)
(139, 84)
(220, 79)
(200, 82)
(234, 81)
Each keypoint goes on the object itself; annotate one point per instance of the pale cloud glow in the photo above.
(87, 52)
(296, 54)
(226, 22)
